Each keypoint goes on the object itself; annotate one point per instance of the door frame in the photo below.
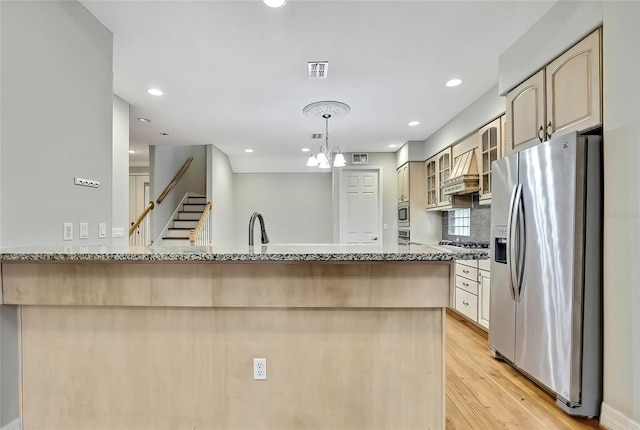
(342, 198)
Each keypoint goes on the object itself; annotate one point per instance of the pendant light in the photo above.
(326, 156)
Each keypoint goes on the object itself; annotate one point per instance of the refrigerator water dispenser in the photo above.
(500, 245)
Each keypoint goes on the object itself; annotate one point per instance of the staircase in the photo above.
(184, 221)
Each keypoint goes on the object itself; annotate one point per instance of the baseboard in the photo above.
(13, 425)
(612, 419)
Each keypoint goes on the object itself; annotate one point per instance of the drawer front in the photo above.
(470, 263)
(467, 304)
(484, 264)
(467, 284)
(467, 272)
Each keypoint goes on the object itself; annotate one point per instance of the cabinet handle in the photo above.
(465, 303)
(465, 271)
(549, 126)
(541, 131)
(465, 284)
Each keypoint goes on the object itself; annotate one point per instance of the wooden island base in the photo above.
(348, 345)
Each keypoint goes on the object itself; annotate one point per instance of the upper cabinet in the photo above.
(574, 88)
(565, 96)
(403, 183)
(438, 170)
(525, 114)
(411, 185)
(490, 150)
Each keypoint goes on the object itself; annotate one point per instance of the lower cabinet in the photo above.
(472, 286)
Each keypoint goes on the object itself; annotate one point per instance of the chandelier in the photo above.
(325, 156)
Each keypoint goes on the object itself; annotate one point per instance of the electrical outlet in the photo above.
(102, 230)
(67, 231)
(84, 230)
(259, 368)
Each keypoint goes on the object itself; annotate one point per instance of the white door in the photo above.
(360, 207)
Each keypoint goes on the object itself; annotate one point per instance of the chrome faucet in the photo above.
(263, 233)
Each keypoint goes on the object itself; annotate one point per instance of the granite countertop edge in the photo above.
(194, 256)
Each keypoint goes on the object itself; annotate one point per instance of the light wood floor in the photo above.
(484, 393)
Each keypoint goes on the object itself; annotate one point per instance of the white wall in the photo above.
(621, 27)
(56, 119)
(561, 27)
(221, 192)
(296, 206)
(164, 162)
(482, 111)
(120, 162)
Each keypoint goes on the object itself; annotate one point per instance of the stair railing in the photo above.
(175, 180)
(201, 234)
(138, 232)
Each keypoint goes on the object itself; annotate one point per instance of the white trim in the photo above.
(13, 425)
(613, 419)
(342, 200)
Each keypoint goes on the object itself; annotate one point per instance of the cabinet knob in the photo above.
(465, 303)
(541, 130)
(549, 126)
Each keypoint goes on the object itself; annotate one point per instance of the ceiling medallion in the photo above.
(332, 108)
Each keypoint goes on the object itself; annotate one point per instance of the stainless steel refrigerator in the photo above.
(546, 267)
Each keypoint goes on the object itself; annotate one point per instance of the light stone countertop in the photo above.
(275, 252)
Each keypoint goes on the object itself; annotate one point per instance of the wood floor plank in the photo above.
(485, 393)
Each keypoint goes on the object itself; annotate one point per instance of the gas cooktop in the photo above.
(465, 244)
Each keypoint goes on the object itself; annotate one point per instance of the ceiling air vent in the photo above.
(359, 158)
(318, 69)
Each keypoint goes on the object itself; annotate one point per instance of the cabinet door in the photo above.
(484, 291)
(489, 152)
(403, 183)
(444, 166)
(574, 97)
(525, 114)
(503, 136)
(432, 182)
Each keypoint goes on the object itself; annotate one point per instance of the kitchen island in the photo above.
(165, 338)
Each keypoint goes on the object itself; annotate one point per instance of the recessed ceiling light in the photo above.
(155, 92)
(305, 150)
(414, 123)
(392, 146)
(131, 151)
(454, 82)
(164, 134)
(144, 120)
(248, 150)
(275, 3)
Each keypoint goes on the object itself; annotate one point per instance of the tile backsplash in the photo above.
(480, 224)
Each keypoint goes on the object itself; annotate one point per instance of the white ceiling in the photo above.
(234, 73)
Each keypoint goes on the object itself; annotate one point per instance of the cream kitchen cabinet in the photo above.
(411, 187)
(484, 294)
(564, 96)
(438, 169)
(403, 183)
(490, 151)
(471, 287)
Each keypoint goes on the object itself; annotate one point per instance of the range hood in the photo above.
(464, 177)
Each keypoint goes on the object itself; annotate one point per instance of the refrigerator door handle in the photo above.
(511, 257)
(521, 241)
